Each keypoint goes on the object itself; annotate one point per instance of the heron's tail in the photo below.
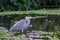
(10, 30)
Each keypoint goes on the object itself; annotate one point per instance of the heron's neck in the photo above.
(27, 21)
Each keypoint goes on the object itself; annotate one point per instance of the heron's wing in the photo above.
(21, 24)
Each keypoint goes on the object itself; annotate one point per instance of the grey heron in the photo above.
(23, 23)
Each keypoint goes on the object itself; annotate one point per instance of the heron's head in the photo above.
(29, 17)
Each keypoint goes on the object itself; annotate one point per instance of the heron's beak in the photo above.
(38, 17)
(33, 18)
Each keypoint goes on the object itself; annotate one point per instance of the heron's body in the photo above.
(21, 24)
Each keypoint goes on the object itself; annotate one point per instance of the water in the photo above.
(0, 39)
(34, 39)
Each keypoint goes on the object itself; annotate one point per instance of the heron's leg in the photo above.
(19, 32)
(22, 31)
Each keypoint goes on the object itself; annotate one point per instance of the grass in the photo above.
(54, 10)
(24, 12)
(41, 11)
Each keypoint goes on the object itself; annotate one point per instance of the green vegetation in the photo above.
(42, 34)
(24, 5)
(57, 10)
(24, 12)
(41, 11)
